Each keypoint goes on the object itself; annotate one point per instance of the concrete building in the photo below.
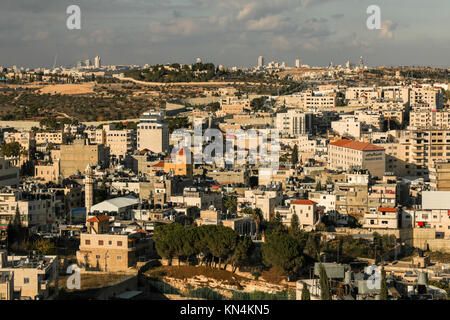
(107, 251)
(348, 127)
(294, 123)
(32, 276)
(345, 155)
(382, 218)
(266, 200)
(9, 174)
(153, 133)
(76, 157)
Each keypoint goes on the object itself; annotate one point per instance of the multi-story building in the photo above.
(266, 200)
(345, 155)
(294, 123)
(36, 210)
(382, 218)
(32, 276)
(348, 127)
(108, 251)
(50, 137)
(429, 95)
(153, 133)
(76, 157)
(9, 174)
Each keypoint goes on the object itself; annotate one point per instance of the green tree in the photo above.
(294, 223)
(325, 293)
(230, 204)
(282, 251)
(294, 155)
(11, 149)
(305, 293)
(241, 254)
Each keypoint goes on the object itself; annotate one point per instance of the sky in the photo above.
(228, 32)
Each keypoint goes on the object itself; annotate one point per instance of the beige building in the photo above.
(264, 200)
(76, 157)
(345, 155)
(50, 137)
(348, 127)
(24, 138)
(382, 218)
(33, 276)
(49, 172)
(153, 133)
(9, 174)
(432, 96)
(37, 210)
(294, 123)
(111, 252)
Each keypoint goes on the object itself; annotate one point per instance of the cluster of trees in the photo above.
(12, 149)
(211, 244)
(175, 123)
(55, 124)
(23, 106)
(19, 239)
(176, 73)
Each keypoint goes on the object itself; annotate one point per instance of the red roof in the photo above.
(387, 209)
(356, 145)
(98, 218)
(159, 164)
(304, 202)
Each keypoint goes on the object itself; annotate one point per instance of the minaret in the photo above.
(88, 189)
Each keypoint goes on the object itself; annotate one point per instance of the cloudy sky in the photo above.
(229, 32)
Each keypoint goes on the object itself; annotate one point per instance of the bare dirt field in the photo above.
(69, 89)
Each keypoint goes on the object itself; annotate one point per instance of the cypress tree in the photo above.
(325, 293)
(305, 293)
(383, 286)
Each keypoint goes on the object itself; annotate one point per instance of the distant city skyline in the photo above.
(224, 32)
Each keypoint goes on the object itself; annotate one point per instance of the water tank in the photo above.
(422, 278)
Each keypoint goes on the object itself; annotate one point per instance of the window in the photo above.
(26, 280)
(119, 257)
(110, 242)
(119, 243)
(100, 242)
(87, 242)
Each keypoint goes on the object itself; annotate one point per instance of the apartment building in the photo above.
(24, 138)
(201, 198)
(306, 211)
(119, 142)
(9, 174)
(440, 177)
(432, 96)
(425, 118)
(382, 218)
(153, 133)
(383, 195)
(324, 200)
(31, 276)
(294, 123)
(348, 127)
(345, 155)
(50, 137)
(37, 210)
(266, 200)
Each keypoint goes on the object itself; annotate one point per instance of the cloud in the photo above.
(387, 27)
